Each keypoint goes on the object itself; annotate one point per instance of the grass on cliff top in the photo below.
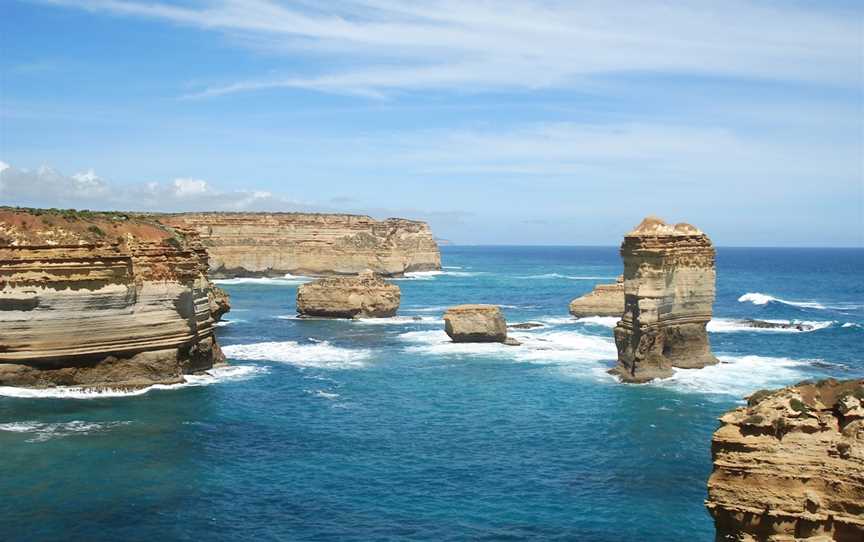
(70, 214)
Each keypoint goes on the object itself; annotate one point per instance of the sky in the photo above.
(499, 122)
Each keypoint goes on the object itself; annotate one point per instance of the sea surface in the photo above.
(383, 430)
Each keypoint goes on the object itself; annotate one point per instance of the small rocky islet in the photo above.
(115, 300)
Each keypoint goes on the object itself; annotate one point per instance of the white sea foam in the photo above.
(763, 299)
(450, 267)
(604, 321)
(319, 354)
(287, 280)
(43, 431)
(224, 323)
(429, 275)
(737, 376)
(425, 309)
(211, 376)
(324, 394)
(537, 347)
(729, 325)
(851, 324)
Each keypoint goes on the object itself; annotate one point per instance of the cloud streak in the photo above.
(448, 45)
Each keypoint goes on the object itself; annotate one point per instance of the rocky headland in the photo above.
(364, 296)
(669, 281)
(476, 324)
(273, 244)
(102, 300)
(603, 300)
(790, 465)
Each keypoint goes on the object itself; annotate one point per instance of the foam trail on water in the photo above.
(212, 376)
(604, 321)
(727, 325)
(43, 431)
(763, 299)
(429, 275)
(399, 320)
(568, 277)
(321, 354)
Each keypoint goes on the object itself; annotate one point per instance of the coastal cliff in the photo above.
(603, 300)
(790, 465)
(262, 244)
(101, 300)
(669, 281)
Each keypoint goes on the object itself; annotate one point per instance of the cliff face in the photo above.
(669, 281)
(790, 465)
(603, 300)
(101, 300)
(256, 244)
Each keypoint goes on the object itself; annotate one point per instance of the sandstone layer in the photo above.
(475, 324)
(366, 295)
(101, 300)
(603, 300)
(273, 244)
(790, 466)
(669, 281)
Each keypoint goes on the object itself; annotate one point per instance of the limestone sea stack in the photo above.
(475, 324)
(603, 300)
(790, 465)
(273, 244)
(101, 300)
(669, 280)
(364, 296)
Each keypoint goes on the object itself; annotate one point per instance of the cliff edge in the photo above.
(273, 244)
(101, 300)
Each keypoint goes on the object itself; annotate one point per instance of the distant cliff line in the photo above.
(259, 244)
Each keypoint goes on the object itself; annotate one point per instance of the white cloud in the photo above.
(47, 187)
(399, 45)
(190, 187)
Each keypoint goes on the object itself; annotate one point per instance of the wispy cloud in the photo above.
(389, 46)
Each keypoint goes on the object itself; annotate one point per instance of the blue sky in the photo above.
(533, 122)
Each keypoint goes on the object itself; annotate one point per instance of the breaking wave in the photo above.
(212, 376)
(763, 299)
(322, 354)
(568, 277)
(729, 325)
(287, 280)
(737, 376)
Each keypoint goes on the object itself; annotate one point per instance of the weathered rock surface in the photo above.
(273, 244)
(475, 324)
(603, 300)
(790, 465)
(669, 281)
(366, 295)
(220, 302)
(101, 300)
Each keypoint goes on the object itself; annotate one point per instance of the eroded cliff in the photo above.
(603, 300)
(669, 281)
(790, 465)
(101, 300)
(261, 244)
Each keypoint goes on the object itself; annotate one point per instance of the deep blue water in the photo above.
(338, 430)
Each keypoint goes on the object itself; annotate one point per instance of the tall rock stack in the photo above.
(669, 281)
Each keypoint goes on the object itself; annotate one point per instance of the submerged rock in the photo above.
(603, 300)
(669, 286)
(790, 465)
(525, 325)
(103, 300)
(366, 295)
(762, 324)
(475, 324)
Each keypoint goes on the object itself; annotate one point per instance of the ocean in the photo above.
(383, 430)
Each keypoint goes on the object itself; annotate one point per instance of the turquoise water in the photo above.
(382, 430)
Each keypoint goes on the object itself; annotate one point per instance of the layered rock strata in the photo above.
(669, 281)
(790, 465)
(101, 300)
(273, 244)
(475, 324)
(364, 296)
(603, 300)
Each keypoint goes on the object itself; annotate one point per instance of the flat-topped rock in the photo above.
(603, 300)
(475, 324)
(790, 465)
(669, 282)
(366, 295)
